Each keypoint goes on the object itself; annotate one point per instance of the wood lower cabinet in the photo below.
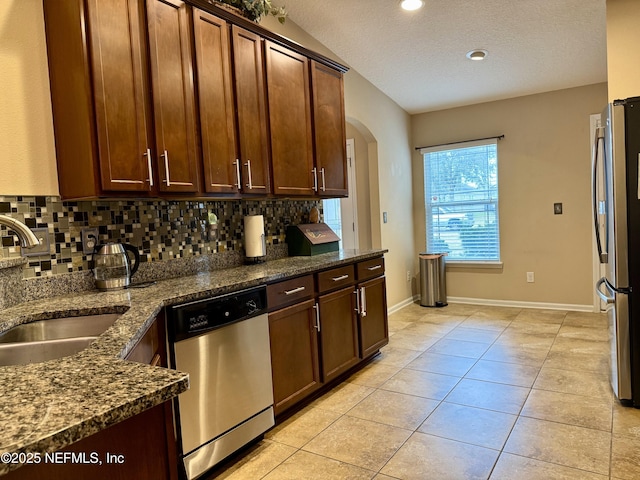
(100, 100)
(338, 333)
(294, 354)
(142, 447)
(290, 121)
(372, 319)
(174, 111)
(329, 131)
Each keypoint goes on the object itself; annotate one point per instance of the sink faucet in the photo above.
(26, 236)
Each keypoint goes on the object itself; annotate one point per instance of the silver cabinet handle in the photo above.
(317, 325)
(295, 290)
(314, 171)
(323, 182)
(237, 164)
(165, 156)
(356, 292)
(341, 277)
(248, 165)
(363, 301)
(148, 155)
(375, 267)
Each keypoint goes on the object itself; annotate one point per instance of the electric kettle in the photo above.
(112, 267)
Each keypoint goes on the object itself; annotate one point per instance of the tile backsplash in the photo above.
(161, 229)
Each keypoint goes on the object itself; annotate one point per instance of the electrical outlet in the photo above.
(557, 209)
(408, 276)
(89, 239)
(530, 277)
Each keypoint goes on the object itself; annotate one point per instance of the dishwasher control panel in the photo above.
(194, 318)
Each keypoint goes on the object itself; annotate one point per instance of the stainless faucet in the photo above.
(26, 236)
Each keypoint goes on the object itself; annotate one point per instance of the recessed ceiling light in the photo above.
(411, 5)
(477, 55)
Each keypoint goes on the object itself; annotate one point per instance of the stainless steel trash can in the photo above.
(433, 285)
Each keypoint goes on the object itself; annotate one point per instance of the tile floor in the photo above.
(464, 392)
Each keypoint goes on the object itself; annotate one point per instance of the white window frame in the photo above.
(490, 263)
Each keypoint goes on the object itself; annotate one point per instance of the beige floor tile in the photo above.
(625, 457)
(473, 335)
(513, 467)
(534, 327)
(395, 356)
(459, 348)
(343, 397)
(427, 457)
(503, 313)
(541, 316)
(626, 420)
(397, 325)
(567, 445)
(519, 338)
(571, 409)
(458, 309)
(581, 362)
(500, 372)
(430, 329)
(359, 442)
(395, 409)
(584, 383)
(477, 426)
(411, 341)
(257, 462)
(380, 476)
(584, 333)
(585, 319)
(488, 395)
(373, 374)
(308, 466)
(534, 356)
(484, 323)
(444, 364)
(302, 427)
(421, 384)
(576, 345)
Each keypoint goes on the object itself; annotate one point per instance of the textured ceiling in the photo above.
(418, 58)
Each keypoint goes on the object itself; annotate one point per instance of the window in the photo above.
(332, 216)
(461, 199)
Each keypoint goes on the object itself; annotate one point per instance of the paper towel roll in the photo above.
(254, 241)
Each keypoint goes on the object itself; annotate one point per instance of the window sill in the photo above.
(458, 265)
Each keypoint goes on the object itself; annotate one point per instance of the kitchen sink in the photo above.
(49, 339)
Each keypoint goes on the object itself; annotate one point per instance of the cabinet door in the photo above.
(173, 95)
(248, 66)
(373, 323)
(338, 333)
(117, 42)
(215, 94)
(294, 354)
(329, 130)
(290, 121)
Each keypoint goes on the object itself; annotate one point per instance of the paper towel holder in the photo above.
(255, 242)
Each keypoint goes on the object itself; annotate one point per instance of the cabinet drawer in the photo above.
(370, 269)
(289, 291)
(336, 278)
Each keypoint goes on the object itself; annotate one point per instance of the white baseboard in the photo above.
(402, 304)
(521, 304)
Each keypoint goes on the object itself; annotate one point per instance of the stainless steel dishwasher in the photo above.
(223, 344)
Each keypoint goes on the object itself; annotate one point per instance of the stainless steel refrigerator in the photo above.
(616, 203)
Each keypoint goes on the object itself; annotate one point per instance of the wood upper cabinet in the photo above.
(329, 130)
(289, 104)
(99, 91)
(253, 136)
(215, 93)
(173, 95)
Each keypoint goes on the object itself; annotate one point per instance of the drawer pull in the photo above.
(375, 267)
(295, 290)
(340, 278)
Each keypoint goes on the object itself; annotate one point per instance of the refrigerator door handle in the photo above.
(599, 137)
(608, 300)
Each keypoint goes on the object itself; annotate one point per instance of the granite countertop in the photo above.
(47, 406)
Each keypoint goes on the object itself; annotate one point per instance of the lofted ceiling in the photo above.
(418, 58)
